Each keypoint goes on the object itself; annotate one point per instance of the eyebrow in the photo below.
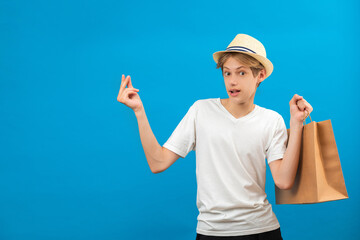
(236, 68)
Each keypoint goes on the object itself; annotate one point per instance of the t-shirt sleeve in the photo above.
(183, 138)
(278, 141)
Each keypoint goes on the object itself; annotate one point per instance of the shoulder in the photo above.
(201, 103)
(270, 113)
(273, 119)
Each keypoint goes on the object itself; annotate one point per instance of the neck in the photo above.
(238, 109)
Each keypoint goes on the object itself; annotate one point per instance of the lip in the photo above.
(234, 94)
(233, 89)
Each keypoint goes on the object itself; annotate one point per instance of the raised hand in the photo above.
(129, 96)
(299, 109)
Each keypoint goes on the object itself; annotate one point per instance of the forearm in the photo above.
(290, 162)
(152, 149)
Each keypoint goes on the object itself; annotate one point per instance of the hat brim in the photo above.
(264, 61)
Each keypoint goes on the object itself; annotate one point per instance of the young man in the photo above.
(232, 137)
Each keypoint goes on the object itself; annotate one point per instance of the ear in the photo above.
(261, 75)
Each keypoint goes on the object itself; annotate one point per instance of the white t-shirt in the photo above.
(230, 165)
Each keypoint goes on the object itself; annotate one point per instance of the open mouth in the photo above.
(235, 91)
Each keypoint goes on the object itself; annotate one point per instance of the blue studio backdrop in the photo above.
(72, 164)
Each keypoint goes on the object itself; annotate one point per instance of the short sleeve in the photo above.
(183, 138)
(277, 147)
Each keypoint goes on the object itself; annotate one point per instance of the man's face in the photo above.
(238, 76)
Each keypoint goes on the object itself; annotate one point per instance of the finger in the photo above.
(301, 105)
(131, 91)
(307, 113)
(123, 80)
(123, 85)
(309, 107)
(295, 98)
(306, 102)
(130, 84)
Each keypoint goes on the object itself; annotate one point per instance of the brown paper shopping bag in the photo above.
(319, 177)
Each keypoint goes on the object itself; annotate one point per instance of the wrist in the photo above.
(296, 125)
(139, 112)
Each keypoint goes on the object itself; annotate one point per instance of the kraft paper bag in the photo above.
(319, 177)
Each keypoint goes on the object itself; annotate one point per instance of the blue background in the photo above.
(72, 165)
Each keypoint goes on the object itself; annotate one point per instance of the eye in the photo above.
(243, 73)
(225, 73)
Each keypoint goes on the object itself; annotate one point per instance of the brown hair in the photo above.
(246, 59)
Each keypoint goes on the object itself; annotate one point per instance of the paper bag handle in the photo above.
(304, 122)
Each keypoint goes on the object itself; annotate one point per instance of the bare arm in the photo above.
(159, 158)
(153, 150)
(284, 170)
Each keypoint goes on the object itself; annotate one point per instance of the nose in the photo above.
(233, 80)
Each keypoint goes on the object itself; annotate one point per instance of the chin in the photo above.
(237, 100)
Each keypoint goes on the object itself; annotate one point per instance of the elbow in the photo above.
(155, 171)
(157, 161)
(156, 166)
(284, 185)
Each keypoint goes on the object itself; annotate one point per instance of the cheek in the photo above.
(249, 83)
(250, 86)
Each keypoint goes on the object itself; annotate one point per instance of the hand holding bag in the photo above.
(319, 177)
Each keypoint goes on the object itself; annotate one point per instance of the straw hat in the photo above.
(250, 46)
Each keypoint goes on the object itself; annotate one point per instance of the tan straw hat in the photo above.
(250, 46)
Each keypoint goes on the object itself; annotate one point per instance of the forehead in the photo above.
(233, 63)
